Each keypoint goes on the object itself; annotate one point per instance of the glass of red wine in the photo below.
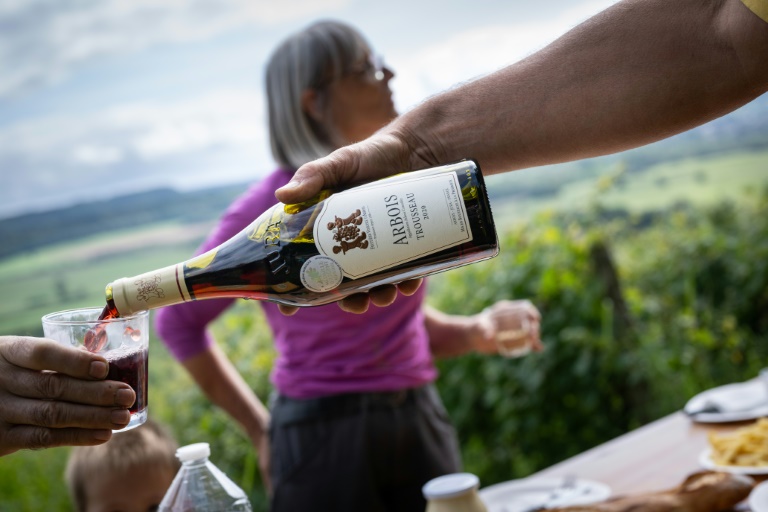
(124, 342)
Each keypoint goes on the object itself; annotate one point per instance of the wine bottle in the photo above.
(406, 226)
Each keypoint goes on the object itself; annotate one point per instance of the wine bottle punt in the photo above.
(406, 226)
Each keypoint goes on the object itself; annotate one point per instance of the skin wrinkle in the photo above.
(50, 386)
(41, 439)
(45, 415)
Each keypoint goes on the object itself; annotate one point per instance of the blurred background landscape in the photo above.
(127, 127)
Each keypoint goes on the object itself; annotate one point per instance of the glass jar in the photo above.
(456, 492)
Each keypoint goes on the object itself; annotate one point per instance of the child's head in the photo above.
(129, 473)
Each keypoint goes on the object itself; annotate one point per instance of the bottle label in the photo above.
(321, 274)
(151, 290)
(388, 223)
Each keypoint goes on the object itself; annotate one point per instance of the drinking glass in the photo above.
(124, 342)
(513, 328)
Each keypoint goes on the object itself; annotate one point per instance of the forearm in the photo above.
(451, 335)
(638, 72)
(223, 385)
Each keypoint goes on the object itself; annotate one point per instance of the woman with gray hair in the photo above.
(356, 423)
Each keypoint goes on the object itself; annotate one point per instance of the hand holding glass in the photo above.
(122, 341)
(515, 325)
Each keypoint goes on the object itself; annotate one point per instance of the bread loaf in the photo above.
(705, 491)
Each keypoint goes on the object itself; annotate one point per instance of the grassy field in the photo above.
(698, 181)
(74, 274)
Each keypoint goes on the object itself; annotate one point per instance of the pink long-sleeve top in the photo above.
(321, 350)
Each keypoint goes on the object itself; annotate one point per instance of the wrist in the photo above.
(258, 431)
(482, 334)
(258, 421)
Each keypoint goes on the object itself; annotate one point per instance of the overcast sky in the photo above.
(103, 97)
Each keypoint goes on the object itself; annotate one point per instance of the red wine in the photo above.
(126, 364)
(320, 251)
(130, 366)
(96, 337)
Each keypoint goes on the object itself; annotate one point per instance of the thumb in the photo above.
(45, 354)
(371, 159)
(335, 171)
(304, 185)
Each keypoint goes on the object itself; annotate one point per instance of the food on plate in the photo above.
(704, 491)
(746, 446)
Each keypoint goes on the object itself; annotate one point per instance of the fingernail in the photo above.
(120, 417)
(291, 184)
(124, 397)
(102, 435)
(98, 369)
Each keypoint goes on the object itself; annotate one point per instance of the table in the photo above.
(654, 457)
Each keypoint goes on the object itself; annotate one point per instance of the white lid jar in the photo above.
(456, 492)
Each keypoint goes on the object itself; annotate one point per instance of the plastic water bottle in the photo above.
(201, 486)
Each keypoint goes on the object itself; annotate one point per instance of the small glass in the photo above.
(124, 342)
(513, 332)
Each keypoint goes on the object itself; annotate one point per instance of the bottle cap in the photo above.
(450, 486)
(193, 452)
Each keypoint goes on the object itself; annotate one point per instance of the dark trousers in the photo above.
(366, 452)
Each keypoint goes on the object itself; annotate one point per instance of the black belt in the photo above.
(292, 410)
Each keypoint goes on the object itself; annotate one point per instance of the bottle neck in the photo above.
(195, 462)
(162, 287)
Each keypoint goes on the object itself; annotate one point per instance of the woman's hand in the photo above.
(510, 328)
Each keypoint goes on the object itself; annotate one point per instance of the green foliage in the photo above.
(695, 285)
(516, 416)
(34, 480)
(708, 291)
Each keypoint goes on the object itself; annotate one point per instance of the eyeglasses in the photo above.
(377, 64)
(373, 66)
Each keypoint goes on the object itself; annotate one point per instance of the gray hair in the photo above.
(309, 59)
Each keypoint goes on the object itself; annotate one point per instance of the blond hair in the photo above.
(148, 445)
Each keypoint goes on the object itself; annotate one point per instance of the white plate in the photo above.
(520, 495)
(705, 460)
(741, 394)
(758, 498)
